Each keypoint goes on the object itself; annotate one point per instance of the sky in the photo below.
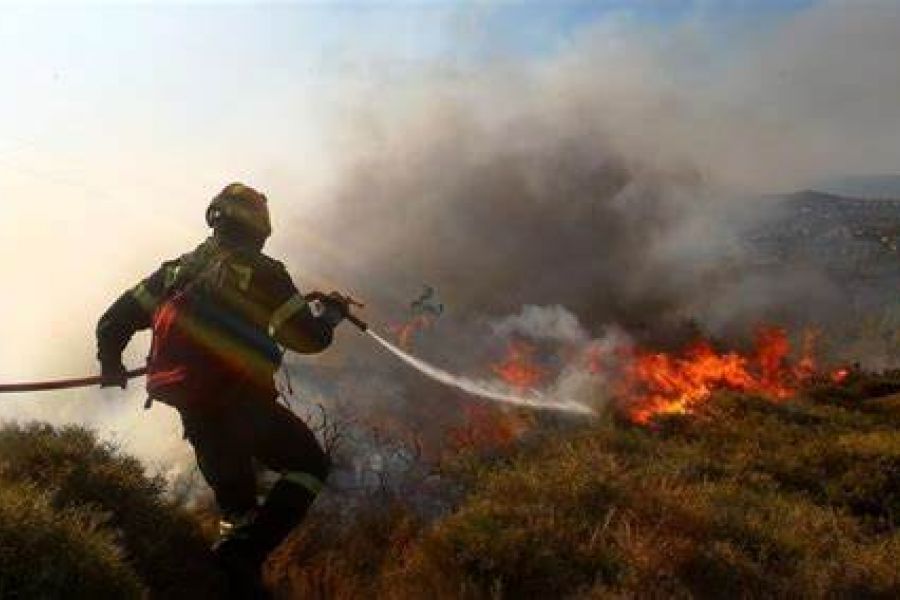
(120, 120)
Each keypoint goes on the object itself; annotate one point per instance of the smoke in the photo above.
(542, 322)
(615, 178)
(607, 188)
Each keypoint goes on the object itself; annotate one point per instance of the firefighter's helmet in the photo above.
(241, 209)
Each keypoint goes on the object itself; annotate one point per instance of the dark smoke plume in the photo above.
(614, 182)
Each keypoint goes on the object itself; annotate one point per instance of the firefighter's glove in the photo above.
(331, 308)
(113, 373)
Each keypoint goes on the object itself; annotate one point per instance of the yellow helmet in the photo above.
(240, 209)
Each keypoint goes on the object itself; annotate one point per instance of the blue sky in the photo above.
(538, 27)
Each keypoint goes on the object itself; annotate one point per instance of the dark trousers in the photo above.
(230, 435)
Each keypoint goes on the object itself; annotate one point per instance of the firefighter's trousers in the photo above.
(251, 426)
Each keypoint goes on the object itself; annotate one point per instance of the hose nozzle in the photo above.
(347, 302)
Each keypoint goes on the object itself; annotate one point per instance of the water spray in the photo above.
(482, 388)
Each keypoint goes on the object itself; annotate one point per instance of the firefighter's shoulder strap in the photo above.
(195, 271)
(173, 275)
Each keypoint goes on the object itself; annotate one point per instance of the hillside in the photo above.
(848, 237)
(79, 519)
(744, 497)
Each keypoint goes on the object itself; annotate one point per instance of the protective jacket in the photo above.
(218, 316)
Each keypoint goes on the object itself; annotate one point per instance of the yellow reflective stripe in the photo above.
(285, 312)
(146, 299)
(311, 483)
(244, 274)
(171, 275)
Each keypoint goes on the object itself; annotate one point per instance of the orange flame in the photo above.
(663, 383)
(518, 368)
(840, 375)
(487, 428)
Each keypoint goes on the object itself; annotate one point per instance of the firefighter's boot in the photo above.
(284, 508)
(244, 548)
(239, 558)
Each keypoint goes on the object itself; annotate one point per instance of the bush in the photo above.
(329, 559)
(744, 498)
(160, 541)
(46, 553)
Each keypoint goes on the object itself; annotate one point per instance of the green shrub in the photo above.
(47, 553)
(744, 498)
(161, 541)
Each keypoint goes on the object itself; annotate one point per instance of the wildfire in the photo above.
(646, 383)
(663, 383)
(486, 428)
(839, 375)
(518, 368)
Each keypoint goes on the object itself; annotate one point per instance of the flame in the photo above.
(405, 332)
(518, 368)
(840, 375)
(657, 383)
(487, 428)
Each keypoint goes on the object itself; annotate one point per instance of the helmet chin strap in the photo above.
(213, 214)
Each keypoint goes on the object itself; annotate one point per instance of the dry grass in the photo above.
(746, 498)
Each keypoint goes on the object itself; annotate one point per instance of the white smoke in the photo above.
(542, 322)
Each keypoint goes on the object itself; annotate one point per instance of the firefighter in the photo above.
(219, 315)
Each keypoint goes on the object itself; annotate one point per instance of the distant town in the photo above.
(850, 237)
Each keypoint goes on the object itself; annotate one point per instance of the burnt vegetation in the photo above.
(744, 497)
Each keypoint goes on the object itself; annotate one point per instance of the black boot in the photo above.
(283, 509)
(243, 570)
(243, 550)
(241, 559)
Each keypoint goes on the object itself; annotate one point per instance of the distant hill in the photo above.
(849, 236)
(863, 186)
(852, 244)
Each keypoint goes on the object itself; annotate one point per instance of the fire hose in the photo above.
(62, 384)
